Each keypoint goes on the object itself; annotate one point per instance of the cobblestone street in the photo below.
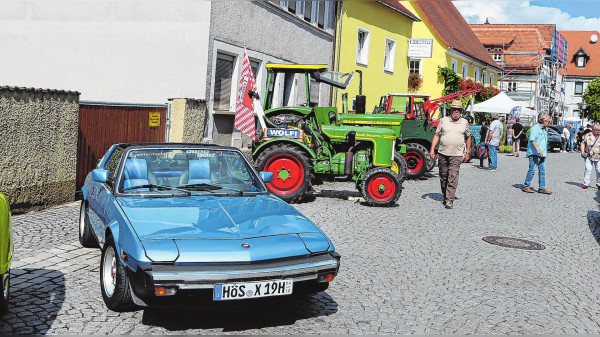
(417, 268)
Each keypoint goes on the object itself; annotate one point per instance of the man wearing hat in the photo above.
(452, 134)
(493, 141)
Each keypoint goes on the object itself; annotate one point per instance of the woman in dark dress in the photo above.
(482, 146)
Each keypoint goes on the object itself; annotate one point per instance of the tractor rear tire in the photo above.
(290, 183)
(381, 187)
(399, 167)
(430, 161)
(416, 161)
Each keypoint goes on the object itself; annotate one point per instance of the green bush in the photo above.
(505, 149)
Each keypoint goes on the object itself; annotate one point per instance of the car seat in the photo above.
(137, 174)
(198, 172)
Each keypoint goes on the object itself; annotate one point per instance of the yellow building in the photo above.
(388, 40)
(373, 39)
(453, 45)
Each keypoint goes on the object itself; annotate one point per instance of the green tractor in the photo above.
(411, 117)
(300, 143)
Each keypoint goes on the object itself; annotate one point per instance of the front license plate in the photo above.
(245, 290)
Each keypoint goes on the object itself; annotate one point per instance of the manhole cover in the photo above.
(513, 243)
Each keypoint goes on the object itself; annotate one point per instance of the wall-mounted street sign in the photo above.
(154, 119)
(288, 133)
(420, 48)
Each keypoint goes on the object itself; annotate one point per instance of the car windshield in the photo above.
(187, 172)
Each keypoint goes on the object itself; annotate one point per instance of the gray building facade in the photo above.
(273, 31)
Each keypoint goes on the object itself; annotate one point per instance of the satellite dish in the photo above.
(594, 38)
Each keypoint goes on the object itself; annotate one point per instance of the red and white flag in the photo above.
(244, 109)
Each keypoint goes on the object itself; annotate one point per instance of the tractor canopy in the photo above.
(285, 79)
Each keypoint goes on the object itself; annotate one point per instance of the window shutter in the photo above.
(223, 77)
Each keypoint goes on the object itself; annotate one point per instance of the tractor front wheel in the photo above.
(416, 161)
(381, 187)
(399, 166)
(292, 171)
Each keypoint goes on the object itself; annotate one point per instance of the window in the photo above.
(492, 79)
(390, 55)
(362, 47)
(578, 88)
(476, 78)
(292, 6)
(512, 86)
(414, 66)
(580, 62)
(223, 77)
(497, 57)
(465, 70)
(254, 65)
(308, 10)
(454, 65)
(484, 77)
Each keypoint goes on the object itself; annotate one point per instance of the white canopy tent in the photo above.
(504, 106)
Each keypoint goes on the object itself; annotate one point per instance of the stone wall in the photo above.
(188, 120)
(38, 146)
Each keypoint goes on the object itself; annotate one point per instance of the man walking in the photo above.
(493, 141)
(517, 131)
(537, 149)
(590, 151)
(566, 134)
(451, 134)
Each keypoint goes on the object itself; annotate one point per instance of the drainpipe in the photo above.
(339, 34)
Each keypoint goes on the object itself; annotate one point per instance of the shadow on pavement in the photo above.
(434, 196)
(593, 218)
(337, 194)
(36, 296)
(519, 186)
(573, 183)
(242, 318)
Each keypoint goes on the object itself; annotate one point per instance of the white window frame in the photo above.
(580, 62)
(465, 70)
(484, 77)
(391, 60)
(454, 65)
(362, 56)
(476, 75)
(575, 89)
(497, 57)
(492, 79)
(420, 65)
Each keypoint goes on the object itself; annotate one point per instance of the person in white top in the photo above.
(565, 137)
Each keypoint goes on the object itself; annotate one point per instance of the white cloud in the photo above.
(500, 12)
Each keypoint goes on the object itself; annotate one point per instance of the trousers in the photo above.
(449, 168)
(536, 163)
(587, 173)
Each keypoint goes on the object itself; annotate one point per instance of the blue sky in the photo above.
(566, 14)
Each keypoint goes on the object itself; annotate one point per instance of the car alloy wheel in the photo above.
(109, 271)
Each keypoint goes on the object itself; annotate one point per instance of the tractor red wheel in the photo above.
(381, 187)
(288, 173)
(416, 162)
(292, 171)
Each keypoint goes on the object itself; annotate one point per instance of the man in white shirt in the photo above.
(565, 137)
(493, 141)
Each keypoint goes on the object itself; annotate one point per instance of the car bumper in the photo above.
(307, 273)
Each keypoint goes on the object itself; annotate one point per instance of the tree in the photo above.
(591, 98)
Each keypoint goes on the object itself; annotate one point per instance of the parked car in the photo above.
(183, 223)
(554, 139)
(6, 252)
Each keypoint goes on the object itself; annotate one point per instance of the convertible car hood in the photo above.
(203, 217)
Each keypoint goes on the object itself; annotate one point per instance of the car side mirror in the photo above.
(100, 176)
(267, 177)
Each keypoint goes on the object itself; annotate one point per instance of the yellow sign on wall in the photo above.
(154, 119)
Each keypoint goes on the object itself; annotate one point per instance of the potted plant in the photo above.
(414, 81)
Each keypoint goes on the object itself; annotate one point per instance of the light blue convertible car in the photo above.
(187, 224)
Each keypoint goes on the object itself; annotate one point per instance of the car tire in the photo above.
(399, 167)
(5, 291)
(416, 161)
(299, 171)
(86, 235)
(381, 187)
(114, 282)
